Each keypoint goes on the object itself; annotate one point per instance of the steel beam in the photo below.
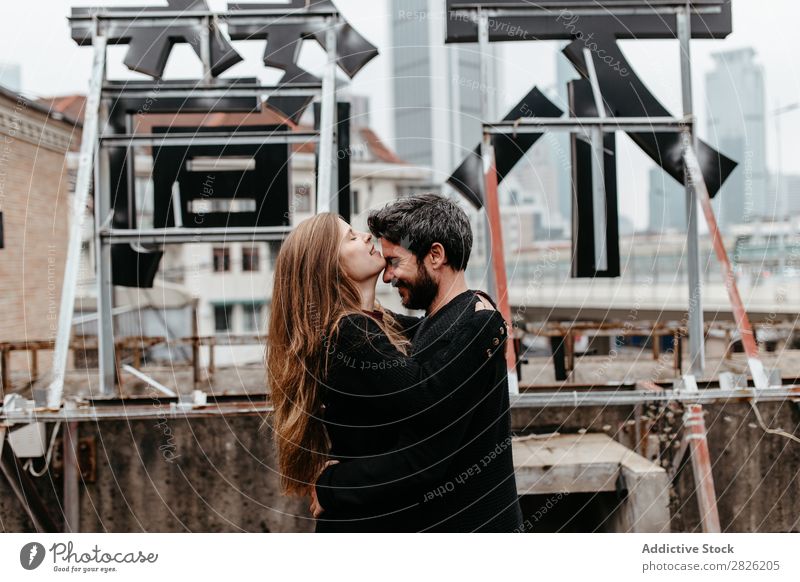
(210, 138)
(327, 180)
(695, 426)
(582, 124)
(252, 404)
(598, 172)
(743, 324)
(199, 90)
(696, 332)
(80, 200)
(149, 381)
(148, 17)
(105, 290)
(487, 224)
(159, 236)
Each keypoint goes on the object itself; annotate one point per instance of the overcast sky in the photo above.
(35, 35)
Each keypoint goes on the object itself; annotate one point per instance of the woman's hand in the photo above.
(485, 304)
(316, 509)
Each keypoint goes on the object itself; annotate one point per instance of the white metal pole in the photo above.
(80, 198)
(327, 183)
(696, 328)
(597, 139)
(105, 289)
(483, 55)
(205, 48)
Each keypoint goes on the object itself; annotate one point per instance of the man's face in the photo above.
(414, 283)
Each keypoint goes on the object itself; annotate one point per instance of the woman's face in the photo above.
(360, 259)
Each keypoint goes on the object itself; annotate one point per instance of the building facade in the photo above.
(34, 219)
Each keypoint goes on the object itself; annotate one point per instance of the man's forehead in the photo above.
(393, 249)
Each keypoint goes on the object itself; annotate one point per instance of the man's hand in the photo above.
(316, 509)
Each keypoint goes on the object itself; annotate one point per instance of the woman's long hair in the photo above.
(311, 294)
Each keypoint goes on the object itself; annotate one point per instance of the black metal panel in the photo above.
(509, 149)
(134, 267)
(130, 267)
(283, 47)
(559, 23)
(154, 103)
(582, 104)
(342, 198)
(267, 184)
(627, 96)
(123, 199)
(150, 46)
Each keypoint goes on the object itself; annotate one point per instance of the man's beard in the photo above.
(422, 292)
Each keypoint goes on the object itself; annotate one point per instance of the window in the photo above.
(354, 203)
(251, 317)
(222, 317)
(222, 259)
(274, 248)
(302, 198)
(250, 258)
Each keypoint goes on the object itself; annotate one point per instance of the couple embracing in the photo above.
(390, 423)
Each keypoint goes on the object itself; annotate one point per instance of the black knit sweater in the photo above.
(423, 441)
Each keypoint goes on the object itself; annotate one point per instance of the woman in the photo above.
(340, 377)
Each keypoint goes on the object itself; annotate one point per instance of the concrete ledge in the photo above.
(593, 462)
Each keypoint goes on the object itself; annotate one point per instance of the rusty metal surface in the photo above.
(498, 260)
(701, 467)
(258, 405)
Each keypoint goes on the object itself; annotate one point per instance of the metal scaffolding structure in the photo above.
(99, 137)
(94, 164)
(593, 130)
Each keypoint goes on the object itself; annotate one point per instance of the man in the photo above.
(452, 468)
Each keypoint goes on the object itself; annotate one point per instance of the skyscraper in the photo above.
(736, 126)
(436, 92)
(667, 202)
(436, 88)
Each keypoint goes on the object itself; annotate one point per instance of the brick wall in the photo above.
(34, 200)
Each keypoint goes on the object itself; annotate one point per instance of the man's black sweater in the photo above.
(448, 466)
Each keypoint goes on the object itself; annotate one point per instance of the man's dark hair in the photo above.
(416, 222)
